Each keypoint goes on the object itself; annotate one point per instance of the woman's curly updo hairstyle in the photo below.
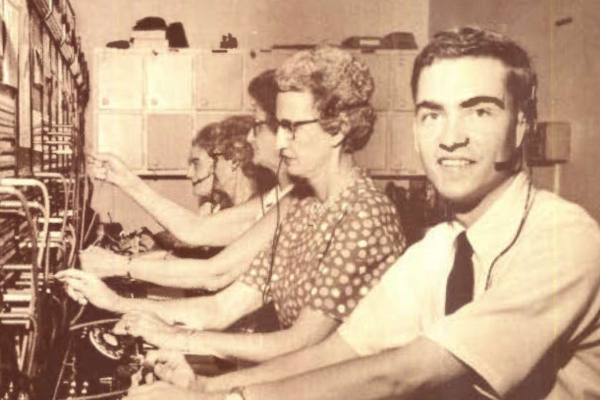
(228, 139)
(342, 88)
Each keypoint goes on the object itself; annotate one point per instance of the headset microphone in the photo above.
(202, 179)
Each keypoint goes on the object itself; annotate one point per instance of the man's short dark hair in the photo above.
(475, 42)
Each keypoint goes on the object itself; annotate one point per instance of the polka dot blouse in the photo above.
(329, 255)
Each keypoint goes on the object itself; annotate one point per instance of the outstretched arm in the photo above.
(418, 369)
(207, 312)
(330, 351)
(211, 274)
(184, 224)
(310, 328)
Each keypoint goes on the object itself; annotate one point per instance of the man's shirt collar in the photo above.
(497, 227)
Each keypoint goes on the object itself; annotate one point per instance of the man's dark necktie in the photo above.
(459, 289)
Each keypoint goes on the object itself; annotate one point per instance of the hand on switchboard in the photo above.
(84, 287)
(107, 167)
(163, 390)
(150, 327)
(171, 366)
(103, 263)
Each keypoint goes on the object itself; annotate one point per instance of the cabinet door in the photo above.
(122, 134)
(169, 81)
(258, 62)
(120, 81)
(379, 66)
(374, 155)
(401, 69)
(169, 138)
(219, 81)
(403, 157)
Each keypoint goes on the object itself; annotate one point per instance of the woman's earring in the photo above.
(234, 166)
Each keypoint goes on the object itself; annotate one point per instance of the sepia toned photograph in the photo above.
(299, 200)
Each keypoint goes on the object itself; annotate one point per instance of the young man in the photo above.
(500, 301)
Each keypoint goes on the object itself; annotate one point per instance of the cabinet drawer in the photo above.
(122, 134)
(169, 138)
(120, 83)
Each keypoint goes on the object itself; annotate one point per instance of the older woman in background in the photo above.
(329, 249)
(222, 174)
(221, 161)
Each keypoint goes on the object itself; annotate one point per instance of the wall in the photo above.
(567, 59)
(256, 24)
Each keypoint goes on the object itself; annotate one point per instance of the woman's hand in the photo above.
(171, 366)
(162, 390)
(83, 287)
(108, 167)
(102, 262)
(148, 326)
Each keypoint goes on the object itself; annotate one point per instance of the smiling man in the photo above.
(501, 301)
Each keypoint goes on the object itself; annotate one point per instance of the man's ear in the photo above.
(521, 128)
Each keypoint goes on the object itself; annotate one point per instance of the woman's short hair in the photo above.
(341, 87)
(228, 139)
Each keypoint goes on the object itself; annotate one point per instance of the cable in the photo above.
(98, 396)
(12, 182)
(34, 236)
(276, 234)
(89, 229)
(73, 243)
(51, 175)
(93, 323)
(62, 369)
(78, 315)
(86, 190)
(529, 200)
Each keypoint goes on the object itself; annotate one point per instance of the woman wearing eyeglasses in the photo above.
(263, 90)
(221, 161)
(329, 249)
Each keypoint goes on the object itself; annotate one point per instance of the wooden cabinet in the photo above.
(256, 63)
(390, 151)
(374, 156)
(404, 158)
(122, 135)
(169, 137)
(120, 81)
(401, 71)
(219, 81)
(168, 81)
(149, 103)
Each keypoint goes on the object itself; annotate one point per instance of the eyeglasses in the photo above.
(256, 125)
(215, 155)
(291, 126)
